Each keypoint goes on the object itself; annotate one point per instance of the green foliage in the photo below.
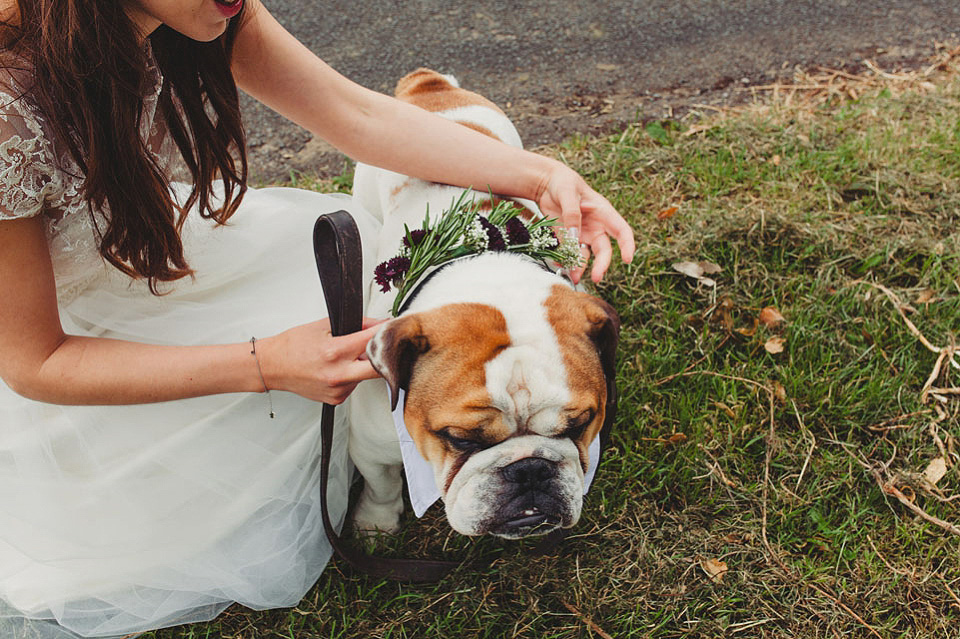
(458, 232)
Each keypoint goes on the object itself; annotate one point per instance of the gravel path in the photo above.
(559, 67)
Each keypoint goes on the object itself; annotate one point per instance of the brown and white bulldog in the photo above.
(507, 369)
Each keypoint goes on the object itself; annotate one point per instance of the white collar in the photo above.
(421, 482)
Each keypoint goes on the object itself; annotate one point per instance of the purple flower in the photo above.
(494, 236)
(517, 232)
(416, 236)
(391, 272)
(381, 277)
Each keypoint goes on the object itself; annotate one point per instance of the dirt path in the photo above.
(560, 67)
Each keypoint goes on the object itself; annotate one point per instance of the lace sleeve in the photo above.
(27, 176)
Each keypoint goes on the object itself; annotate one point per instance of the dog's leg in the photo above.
(376, 454)
(381, 501)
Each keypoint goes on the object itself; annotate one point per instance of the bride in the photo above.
(150, 330)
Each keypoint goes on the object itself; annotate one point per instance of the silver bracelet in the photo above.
(253, 351)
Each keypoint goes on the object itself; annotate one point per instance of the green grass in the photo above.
(804, 207)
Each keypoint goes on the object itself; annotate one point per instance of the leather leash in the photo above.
(337, 249)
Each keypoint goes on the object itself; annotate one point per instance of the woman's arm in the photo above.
(38, 360)
(272, 66)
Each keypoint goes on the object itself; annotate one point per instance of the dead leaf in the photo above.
(715, 569)
(690, 269)
(775, 160)
(723, 314)
(779, 391)
(710, 268)
(677, 438)
(770, 317)
(774, 345)
(694, 270)
(667, 213)
(925, 296)
(748, 332)
(935, 471)
(726, 409)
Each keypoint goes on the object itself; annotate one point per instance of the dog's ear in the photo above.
(394, 350)
(604, 331)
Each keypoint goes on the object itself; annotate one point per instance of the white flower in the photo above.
(542, 238)
(569, 250)
(476, 236)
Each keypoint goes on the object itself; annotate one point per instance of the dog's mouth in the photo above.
(532, 501)
(528, 523)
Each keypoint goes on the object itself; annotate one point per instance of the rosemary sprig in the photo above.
(461, 231)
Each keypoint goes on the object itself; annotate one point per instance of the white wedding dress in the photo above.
(121, 519)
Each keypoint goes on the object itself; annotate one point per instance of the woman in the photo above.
(143, 482)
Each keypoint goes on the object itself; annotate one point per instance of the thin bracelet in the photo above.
(253, 351)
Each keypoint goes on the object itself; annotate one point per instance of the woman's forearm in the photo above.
(40, 361)
(90, 370)
(424, 145)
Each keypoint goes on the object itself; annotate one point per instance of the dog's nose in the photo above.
(530, 471)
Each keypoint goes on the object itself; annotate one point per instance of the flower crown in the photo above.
(461, 231)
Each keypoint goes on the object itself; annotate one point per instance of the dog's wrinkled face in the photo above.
(504, 411)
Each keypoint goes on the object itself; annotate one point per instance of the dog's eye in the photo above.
(576, 425)
(462, 444)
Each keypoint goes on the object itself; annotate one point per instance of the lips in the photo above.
(229, 8)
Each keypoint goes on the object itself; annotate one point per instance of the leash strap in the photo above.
(337, 249)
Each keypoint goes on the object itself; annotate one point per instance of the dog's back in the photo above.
(383, 193)
(441, 94)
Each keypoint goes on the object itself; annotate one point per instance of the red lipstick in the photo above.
(229, 8)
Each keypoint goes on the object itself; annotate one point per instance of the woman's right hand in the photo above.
(309, 361)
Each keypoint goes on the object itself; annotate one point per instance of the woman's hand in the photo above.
(309, 361)
(565, 195)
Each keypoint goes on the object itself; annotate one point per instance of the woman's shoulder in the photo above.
(26, 169)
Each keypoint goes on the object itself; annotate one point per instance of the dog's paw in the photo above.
(370, 518)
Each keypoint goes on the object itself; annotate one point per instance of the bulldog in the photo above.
(505, 369)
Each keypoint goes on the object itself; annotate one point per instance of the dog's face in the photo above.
(504, 409)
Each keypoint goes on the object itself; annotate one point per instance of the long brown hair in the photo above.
(91, 74)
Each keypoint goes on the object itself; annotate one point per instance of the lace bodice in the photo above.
(38, 179)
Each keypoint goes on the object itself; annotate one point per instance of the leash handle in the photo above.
(337, 249)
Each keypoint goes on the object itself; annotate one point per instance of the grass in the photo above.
(782, 466)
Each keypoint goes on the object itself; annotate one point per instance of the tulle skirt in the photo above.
(121, 519)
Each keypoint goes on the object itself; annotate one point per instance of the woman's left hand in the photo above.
(566, 196)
